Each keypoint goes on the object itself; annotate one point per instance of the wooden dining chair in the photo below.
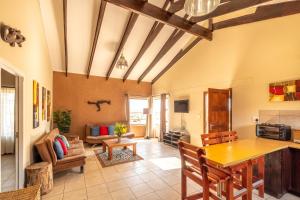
(259, 163)
(194, 166)
(190, 168)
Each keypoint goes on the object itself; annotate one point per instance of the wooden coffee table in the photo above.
(110, 144)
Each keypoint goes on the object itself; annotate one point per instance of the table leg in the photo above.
(261, 175)
(109, 153)
(134, 149)
(247, 175)
(103, 147)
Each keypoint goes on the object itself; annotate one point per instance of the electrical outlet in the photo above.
(255, 119)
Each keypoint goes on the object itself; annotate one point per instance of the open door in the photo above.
(219, 110)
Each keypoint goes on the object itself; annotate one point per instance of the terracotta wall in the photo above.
(74, 91)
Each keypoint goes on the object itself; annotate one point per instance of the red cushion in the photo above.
(103, 130)
(63, 145)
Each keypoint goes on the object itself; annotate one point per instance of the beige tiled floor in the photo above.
(155, 177)
(8, 172)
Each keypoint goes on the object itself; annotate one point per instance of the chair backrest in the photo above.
(193, 159)
(218, 137)
(190, 155)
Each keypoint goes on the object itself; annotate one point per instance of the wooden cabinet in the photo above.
(277, 173)
(295, 172)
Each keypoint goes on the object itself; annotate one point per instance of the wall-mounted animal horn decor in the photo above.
(98, 103)
(11, 35)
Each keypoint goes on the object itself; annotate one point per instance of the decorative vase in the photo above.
(119, 139)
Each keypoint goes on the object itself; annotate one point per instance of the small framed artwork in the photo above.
(43, 103)
(48, 105)
(35, 104)
(285, 91)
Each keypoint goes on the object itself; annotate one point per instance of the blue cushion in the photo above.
(64, 139)
(111, 130)
(58, 150)
(95, 131)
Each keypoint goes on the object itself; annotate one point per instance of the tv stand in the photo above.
(172, 138)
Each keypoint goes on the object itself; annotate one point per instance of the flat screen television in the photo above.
(181, 106)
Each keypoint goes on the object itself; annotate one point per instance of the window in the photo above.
(137, 116)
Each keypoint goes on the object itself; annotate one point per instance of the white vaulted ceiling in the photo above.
(81, 25)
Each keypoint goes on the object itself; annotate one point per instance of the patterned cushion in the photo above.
(111, 130)
(64, 139)
(58, 149)
(95, 131)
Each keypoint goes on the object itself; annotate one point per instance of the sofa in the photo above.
(90, 139)
(75, 157)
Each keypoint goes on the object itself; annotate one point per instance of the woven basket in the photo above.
(29, 193)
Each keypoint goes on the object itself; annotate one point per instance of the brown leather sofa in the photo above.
(98, 139)
(75, 157)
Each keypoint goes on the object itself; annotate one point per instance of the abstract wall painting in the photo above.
(285, 91)
(35, 104)
(48, 105)
(43, 103)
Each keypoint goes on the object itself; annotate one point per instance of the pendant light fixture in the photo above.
(200, 7)
(122, 63)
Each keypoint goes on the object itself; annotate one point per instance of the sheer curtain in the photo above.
(7, 115)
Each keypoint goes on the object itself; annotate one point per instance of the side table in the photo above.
(40, 173)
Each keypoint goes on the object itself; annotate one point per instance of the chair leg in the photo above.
(229, 189)
(183, 186)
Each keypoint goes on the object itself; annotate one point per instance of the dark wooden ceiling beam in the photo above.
(178, 56)
(154, 31)
(175, 36)
(262, 13)
(65, 6)
(96, 36)
(163, 16)
(179, 5)
(131, 22)
(156, 28)
(228, 7)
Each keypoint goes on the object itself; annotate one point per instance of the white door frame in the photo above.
(20, 174)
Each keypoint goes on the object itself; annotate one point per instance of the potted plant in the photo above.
(62, 119)
(120, 129)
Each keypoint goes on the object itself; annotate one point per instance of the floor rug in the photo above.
(120, 156)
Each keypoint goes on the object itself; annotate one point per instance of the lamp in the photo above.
(200, 7)
(122, 62)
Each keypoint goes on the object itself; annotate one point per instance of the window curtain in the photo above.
(149, 119)
(127, 111)
(7, 116)
(162, 116)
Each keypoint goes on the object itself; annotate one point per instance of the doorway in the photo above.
(8, 136)
(11, 126)
(217, 107)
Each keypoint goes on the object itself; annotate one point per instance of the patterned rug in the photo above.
(120, 156)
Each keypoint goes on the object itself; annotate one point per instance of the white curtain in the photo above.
(7, 110)
(155, 128)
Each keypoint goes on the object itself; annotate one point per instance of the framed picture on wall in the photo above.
(35, 104)
(285, 91)
(43, 103)
(48, 105)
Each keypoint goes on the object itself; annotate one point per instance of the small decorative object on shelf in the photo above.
(40, 174)
(98, 103)
(120, 129)
(172, 138)
(11, 35)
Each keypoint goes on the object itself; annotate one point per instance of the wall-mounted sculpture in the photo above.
(98, 103)
(11, 35)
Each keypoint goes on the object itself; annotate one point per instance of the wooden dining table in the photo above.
(231, 154)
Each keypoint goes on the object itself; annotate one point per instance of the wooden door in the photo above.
(219, 110)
